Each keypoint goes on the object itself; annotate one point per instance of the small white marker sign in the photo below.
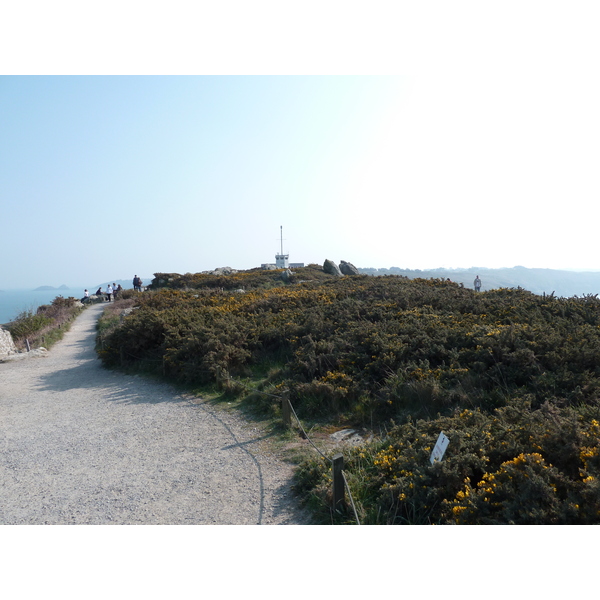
(440, 448)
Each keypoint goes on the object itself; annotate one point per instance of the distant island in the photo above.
(48, 288)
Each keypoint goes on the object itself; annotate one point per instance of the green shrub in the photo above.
(28, 324)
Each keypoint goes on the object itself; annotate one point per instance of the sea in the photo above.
(15, 302)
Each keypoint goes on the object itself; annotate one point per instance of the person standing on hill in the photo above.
(109, 291)
(137, 284)
(477, 284)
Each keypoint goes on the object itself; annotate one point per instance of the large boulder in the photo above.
(7, 346)
(348, 268)
(330, 267)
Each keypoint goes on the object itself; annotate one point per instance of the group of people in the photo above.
(113, 291)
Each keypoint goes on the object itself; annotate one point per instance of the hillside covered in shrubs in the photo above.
(512, 378)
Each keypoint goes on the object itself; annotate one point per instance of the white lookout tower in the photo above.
(281, 260)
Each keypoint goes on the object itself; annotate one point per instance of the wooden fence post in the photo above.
(339, 491)
(286, 409)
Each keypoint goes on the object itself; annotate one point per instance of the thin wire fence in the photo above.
(305, 435)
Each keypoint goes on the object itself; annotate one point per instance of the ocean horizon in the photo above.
(14, 302)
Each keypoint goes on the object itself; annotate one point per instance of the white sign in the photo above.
(440, 448)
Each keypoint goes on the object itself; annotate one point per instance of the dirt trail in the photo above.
(84, 445)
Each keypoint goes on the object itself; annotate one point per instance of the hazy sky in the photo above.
(479, 149)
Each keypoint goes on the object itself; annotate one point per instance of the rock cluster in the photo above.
(9, 352)
(345, 268)
(36, 353)
(222, 271)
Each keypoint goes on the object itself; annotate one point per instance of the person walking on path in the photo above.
(477, 284)
(109, 291)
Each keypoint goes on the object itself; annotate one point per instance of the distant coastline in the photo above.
(539, 281)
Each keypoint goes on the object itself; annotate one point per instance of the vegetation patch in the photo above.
(512, 378)
(45, 326)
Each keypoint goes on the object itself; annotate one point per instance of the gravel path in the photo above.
(84, 445)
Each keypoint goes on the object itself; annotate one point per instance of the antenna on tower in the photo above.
(281, 260)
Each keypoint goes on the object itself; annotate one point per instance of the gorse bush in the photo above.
(426, 354)
(513, 465)
(412, 347)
